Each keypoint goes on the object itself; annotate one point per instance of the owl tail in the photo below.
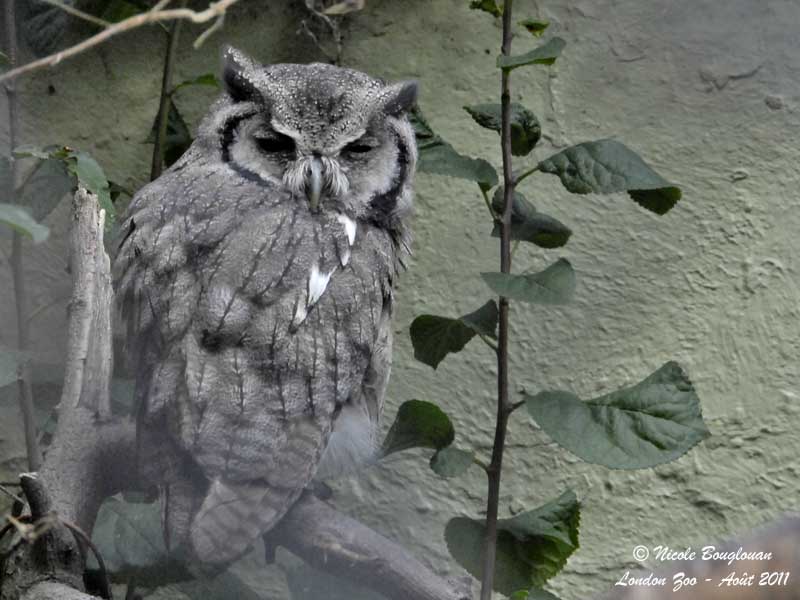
(233, 516)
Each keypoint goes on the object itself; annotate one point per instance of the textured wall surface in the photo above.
(707, 91)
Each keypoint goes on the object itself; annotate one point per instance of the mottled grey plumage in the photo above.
(255, 277)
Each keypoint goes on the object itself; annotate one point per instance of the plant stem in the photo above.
(526, 174)
(157, 165)
(503, 405)
(24, 389)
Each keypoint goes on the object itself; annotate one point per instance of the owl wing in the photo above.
(254, 324)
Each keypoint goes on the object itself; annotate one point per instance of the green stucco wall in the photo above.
(706, 90)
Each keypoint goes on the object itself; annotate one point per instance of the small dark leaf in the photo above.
(489, 6)
(525, 128)
(207, 79)
(435, 337)
(438, 157)
(418, 424)
(451, 462)
(20, 220)
(178, 138)
(554, 285)
(531, 547)
(535, 27)
(608, 166)
(545, 54)
(650, 423)
(529, 225)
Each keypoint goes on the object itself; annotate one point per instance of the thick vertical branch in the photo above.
(504, 408)
(24, 389)
(162, 119)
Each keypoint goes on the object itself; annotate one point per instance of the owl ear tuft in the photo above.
(401, 97)
(238, 74)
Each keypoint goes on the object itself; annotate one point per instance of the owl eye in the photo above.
(358, 148)
(275, 142)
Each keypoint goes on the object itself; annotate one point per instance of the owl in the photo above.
(255, 278)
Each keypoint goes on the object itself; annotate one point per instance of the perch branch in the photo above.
(337, 544)
(215, 10)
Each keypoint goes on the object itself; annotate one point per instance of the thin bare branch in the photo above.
(214, 10)
(78, 13)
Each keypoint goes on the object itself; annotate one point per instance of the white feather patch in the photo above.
(349, 227)
(317, 282)
(345, 258)
(300, 314)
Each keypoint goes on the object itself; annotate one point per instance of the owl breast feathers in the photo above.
(255, 279)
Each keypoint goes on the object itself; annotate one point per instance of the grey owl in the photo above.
(255, 277)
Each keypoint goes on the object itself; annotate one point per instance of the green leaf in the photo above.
(545, 54)
(91, 176)
(451, 462)
(131, 541)
(531, 547)
(207, 79)
(32, 152)
(534, 27)
(438, 157)
(650, 423)
(20, 220)
(608, 166)
(46, 186)
(435, 337)
(529, 225)
(418, 424)
(10, 362)
(178, 138)
(489, 6)
(525, 128)
(554, 285)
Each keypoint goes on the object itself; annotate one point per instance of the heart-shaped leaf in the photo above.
(546, 54)
(418, 424)
(440, 158)
(451, 462)
(608, 166)
(435, 337)
(529, 225)
(650, 423)
(531, 547)
(554, 285)
(525, 128)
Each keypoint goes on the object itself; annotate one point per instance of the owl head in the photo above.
(334, 138)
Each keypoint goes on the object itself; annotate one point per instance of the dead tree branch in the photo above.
(213, 12)
(333, 542)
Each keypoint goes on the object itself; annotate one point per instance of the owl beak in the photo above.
(314, 184)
